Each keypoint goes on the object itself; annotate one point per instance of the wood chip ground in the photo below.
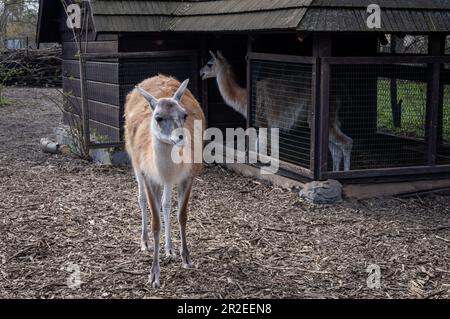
(247, 239)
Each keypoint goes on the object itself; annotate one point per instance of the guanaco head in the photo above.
(212, 68)
(168, 115)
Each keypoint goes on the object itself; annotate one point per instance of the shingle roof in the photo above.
(406, 16)
(396, 16)
(222, 15)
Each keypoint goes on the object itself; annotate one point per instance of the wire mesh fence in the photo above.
(408, 44)
(444, 125)
(382, 107)
(281, 97)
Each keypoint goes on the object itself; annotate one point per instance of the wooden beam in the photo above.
(434, 98)
(249, 78)
(410, 59)
(84, 105)
(204, 57)
(314, 125)
(395, 104)
(281, 58)
(321, 49)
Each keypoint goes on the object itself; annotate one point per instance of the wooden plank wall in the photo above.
(102, 77)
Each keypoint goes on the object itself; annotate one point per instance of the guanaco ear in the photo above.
(220, 55)
(180, 92)
(213, 55)
(152, 101)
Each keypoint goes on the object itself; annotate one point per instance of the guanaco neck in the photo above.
(233, 94)
(168, 172)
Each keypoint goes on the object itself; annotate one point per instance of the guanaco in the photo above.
(155, 111)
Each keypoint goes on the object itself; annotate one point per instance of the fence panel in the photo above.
(383, 109)
(443, 156)
(282, 97)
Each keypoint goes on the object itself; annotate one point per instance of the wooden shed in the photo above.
(377, 97)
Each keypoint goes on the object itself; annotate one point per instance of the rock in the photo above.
(48, 146)
(326, 192)
(110, 157)
(62, 135)
(100, 156)
(120, 158)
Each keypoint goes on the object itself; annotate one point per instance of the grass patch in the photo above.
(4, 101)
(446, 113)
(414, 96)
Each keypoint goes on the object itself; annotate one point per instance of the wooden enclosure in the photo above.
(392, 98)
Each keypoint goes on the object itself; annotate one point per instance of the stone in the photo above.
(120, 158)
(49, 146)
(325, 192)
(100, 156)
(62, 135)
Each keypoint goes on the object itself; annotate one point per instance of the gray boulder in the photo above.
(326, 192)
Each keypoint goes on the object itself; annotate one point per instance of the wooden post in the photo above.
(84, 105)
(434, 98)
(194, 84)
(249, 79)
(395, 104)
(84, 92)
(314, 164)
(204, 56)
(321, 48)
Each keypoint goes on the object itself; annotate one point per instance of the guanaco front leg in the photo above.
(166, 207)
(144, 211)
(154, 193)
(184, 192)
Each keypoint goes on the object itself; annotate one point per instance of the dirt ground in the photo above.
(247, 239)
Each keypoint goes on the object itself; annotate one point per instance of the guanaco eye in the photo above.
(185, 117)
(158, 119)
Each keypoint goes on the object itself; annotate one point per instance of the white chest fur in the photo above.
(167, 170)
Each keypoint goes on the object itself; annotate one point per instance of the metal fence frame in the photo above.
(86, 57)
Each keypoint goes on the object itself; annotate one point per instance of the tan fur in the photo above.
(235, 95)
(138, 139)
(270, 110)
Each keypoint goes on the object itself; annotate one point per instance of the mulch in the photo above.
(248, 239)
